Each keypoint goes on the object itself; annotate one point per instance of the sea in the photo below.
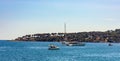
(38, 51)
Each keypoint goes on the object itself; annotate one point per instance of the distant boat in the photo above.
(64, 42)
(110, 44)
(53, 47)
(68, 43)
(75, 44)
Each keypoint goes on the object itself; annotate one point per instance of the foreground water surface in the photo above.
(38, 51)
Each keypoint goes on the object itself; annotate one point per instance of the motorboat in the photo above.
(53, 47)
(64, 42)
(75, 44)
(68, 42)
(110, 44)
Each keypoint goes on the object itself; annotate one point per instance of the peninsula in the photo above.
(94, 36)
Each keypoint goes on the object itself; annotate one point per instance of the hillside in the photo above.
(95, 36)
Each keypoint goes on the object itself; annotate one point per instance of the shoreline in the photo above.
(54, 41)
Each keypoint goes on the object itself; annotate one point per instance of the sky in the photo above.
(21, 17)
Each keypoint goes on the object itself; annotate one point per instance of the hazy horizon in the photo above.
(21, 17)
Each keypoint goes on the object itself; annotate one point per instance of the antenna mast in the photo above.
(65, 28)
(65, 32)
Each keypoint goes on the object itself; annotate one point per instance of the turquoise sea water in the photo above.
(38, 51)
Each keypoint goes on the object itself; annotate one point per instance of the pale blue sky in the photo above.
(21, 17)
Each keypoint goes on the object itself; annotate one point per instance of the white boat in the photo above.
(68, 43)
(64, 42)
(53, 47)
(76, 44)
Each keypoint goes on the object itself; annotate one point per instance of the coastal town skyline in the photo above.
(21, 17)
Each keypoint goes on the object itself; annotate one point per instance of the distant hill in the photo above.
(95, 36)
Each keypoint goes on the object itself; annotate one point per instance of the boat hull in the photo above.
(53, 48)
(76, 44)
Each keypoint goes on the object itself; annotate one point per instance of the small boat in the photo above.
(64, 42)
(53, 47)
(68, 43)
(76, 44)
(110, 44)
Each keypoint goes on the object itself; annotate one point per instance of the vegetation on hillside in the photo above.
(95, 36)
